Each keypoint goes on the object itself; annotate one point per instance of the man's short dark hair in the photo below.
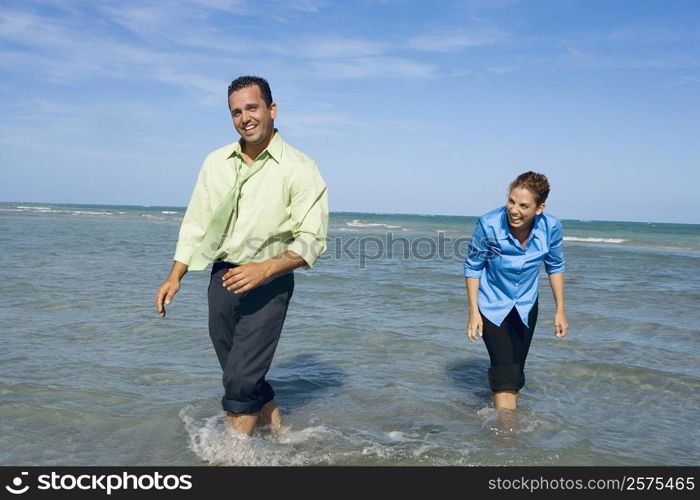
(248, 81)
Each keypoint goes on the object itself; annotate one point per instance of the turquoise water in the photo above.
(373, 366)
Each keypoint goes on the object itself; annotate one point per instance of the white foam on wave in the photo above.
(216, 443)
(167, 212)
(90, 212)
(399, 436)
(357, 223)
(37, 209)
(595, 240)
(50, 210)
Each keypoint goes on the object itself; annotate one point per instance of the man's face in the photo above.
(252, 117)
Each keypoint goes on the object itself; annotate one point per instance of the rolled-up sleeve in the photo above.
(309, 215)
(554, 259)
(476, 252)
(196, 220)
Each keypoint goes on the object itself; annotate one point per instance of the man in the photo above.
(259, 210)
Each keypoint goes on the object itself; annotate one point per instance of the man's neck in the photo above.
(252, 151)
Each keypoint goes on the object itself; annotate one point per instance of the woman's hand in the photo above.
(561, 325)
(475, 326)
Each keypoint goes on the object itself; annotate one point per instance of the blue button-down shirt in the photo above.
(508, 272)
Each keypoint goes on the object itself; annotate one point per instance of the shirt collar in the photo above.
(274, 149)
(503, 229)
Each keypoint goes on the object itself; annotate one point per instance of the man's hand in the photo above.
(561, 325)
(246, 277)
(165, 294)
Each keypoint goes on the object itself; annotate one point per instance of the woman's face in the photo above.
(522, 208)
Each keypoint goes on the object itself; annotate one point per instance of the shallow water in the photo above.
(373, 366)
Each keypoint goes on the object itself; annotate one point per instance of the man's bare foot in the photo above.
(242, 422)
(271, 418)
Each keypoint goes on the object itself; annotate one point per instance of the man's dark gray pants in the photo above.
(245, 330)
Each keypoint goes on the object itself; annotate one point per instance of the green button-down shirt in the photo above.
(284, 206)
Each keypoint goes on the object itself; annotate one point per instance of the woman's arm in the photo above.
(473, 266)
(561, 325)
(475, 324)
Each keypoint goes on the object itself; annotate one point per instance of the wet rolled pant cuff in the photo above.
(252, 406)
(506, 378)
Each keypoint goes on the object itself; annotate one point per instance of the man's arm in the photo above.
(197, 218)
(170, 287)
(192, 230)
(242, 278)
(309, 215)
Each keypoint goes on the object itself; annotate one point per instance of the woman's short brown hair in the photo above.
(536, 183)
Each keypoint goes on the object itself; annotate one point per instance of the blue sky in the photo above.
(407, 106)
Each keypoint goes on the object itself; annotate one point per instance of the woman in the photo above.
(501, 273)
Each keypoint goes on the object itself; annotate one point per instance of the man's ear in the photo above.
(540, 209)
(273, 110)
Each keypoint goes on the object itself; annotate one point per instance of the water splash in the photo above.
(215, 442)
(504, 422)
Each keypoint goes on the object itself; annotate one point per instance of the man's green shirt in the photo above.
(283, 206)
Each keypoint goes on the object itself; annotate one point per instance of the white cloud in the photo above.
(60, 54)
(650, 35)
(374, 67)
(488, 4)
(615, 58)
(503, 69)
(684, 80)
(181, 45)
(322, 48)
(212, 90)
(306, 5)
(233, 6)
(456, 41)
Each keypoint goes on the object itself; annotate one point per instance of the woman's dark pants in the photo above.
(508, 345)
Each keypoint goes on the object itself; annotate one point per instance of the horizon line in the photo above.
(575, 219)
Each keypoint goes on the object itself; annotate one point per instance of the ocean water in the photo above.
(373, 367)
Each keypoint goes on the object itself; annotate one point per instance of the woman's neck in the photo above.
(521, 234)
